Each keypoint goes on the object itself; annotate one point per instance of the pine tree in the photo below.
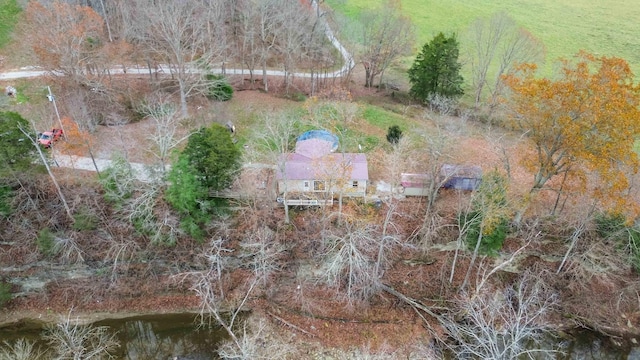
(436, 70)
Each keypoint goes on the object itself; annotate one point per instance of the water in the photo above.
(145, 337)
(171, 336)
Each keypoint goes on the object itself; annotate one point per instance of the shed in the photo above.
(415, 184)
(461, 177)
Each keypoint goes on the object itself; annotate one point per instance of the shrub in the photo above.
(394, 134)
(613, 226)
(6, 194)
(488, 218)
(492, 238)
(118, 181)
(5, 293)
(85, 220)
(219, 88)
(46, 242)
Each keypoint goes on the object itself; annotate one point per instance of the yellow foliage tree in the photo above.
(586, 121)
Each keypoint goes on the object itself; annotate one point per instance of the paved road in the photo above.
(33, 71)
(140, 170)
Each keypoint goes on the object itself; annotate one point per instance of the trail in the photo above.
(141, 171)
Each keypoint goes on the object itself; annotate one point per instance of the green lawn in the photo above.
(564, 26)
(9, 10)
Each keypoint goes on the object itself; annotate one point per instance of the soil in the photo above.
(95, 281)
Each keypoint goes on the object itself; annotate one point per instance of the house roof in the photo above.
(330, 167)
(314, 148)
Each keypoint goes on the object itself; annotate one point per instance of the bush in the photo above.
(46, 242)
(613, 226)
(394, 134)
(6, 195)
(219, 89)
(85, 220)
(488, 219)
(5, 293)
(492, 239)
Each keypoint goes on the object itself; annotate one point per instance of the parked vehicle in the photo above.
(47, 138)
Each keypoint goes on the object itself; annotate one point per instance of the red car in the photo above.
(47, 138)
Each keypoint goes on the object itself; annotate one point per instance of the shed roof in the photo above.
(465, 171)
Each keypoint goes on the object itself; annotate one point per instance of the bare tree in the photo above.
(386, 36)
(295, 30)
(267, 34)
(66, 38)
(69, 340)
(264, 250)
(208, 285)
(251, 25)
(273, 141)
(166, 121)
(20, 350)
(257, 341)
(179, 34)
(351, 260)
(498, 44)
(504, 324)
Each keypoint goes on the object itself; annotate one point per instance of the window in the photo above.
(354, 184)
(318, 185)
(306, 185)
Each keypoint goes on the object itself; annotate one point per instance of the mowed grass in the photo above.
(608, 28)
(9, 11)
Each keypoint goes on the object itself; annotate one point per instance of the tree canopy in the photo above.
(436, 69)
(16, 150)
(208, 163)
(213, 156)
(585, 121)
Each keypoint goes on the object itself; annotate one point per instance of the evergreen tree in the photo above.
(394, 134)
(212, 154)
(16, 151)
(436, 70)
(209, 162)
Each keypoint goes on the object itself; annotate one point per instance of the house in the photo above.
(314, 174)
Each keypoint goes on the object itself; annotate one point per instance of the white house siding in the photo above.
(297, 186)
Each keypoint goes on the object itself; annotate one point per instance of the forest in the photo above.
(145, 145)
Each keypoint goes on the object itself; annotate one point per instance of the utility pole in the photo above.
(55, 107)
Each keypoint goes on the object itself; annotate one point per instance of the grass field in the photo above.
(564, 26)
(8, 15)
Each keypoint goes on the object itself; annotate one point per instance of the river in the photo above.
(170, 336)
(177, 336)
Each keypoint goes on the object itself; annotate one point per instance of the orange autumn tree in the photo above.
(78, 142)
(66, 38)
(584, 122)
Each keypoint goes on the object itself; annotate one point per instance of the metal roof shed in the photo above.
(461, 177)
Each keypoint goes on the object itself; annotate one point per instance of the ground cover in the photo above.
(9, 11)
(565, 27)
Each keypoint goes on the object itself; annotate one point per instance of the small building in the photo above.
(458, 177)
(461, 177)
(315, 172)
(415, 184)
